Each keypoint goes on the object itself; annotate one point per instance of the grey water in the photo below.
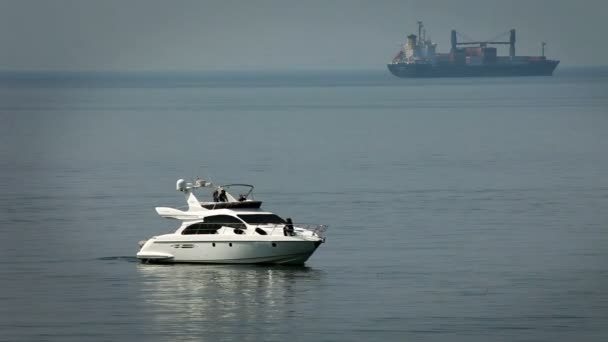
(459, 209)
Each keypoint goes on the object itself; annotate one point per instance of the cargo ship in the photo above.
(418, 58)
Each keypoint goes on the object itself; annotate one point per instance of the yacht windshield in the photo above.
(261, 219)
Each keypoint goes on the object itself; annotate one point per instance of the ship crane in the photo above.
(511, 42)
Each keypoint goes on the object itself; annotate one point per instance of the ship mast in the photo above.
(543, 48)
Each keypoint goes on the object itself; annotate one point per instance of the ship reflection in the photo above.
(208, 302)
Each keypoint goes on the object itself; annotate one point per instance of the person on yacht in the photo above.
(216, 195)
(288, 229)
(223, 197)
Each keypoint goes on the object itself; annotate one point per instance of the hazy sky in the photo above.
(268, 34)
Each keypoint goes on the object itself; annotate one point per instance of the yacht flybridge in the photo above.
(230, 229)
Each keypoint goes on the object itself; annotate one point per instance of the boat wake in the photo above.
(119, 258)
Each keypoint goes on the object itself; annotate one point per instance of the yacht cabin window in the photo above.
(261, 219)
(211, 224)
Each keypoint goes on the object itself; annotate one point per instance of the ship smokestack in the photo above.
(454, 40)
(512, 44)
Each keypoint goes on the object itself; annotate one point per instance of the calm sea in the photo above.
(459, 209)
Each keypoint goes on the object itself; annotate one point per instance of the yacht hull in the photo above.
(287, 251)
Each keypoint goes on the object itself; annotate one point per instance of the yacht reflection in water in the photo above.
(215, 300)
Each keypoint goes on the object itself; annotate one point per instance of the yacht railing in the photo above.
(318, 229)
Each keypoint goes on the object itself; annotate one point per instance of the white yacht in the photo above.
(230, 230)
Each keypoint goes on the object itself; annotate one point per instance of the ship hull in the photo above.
(544, 68)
